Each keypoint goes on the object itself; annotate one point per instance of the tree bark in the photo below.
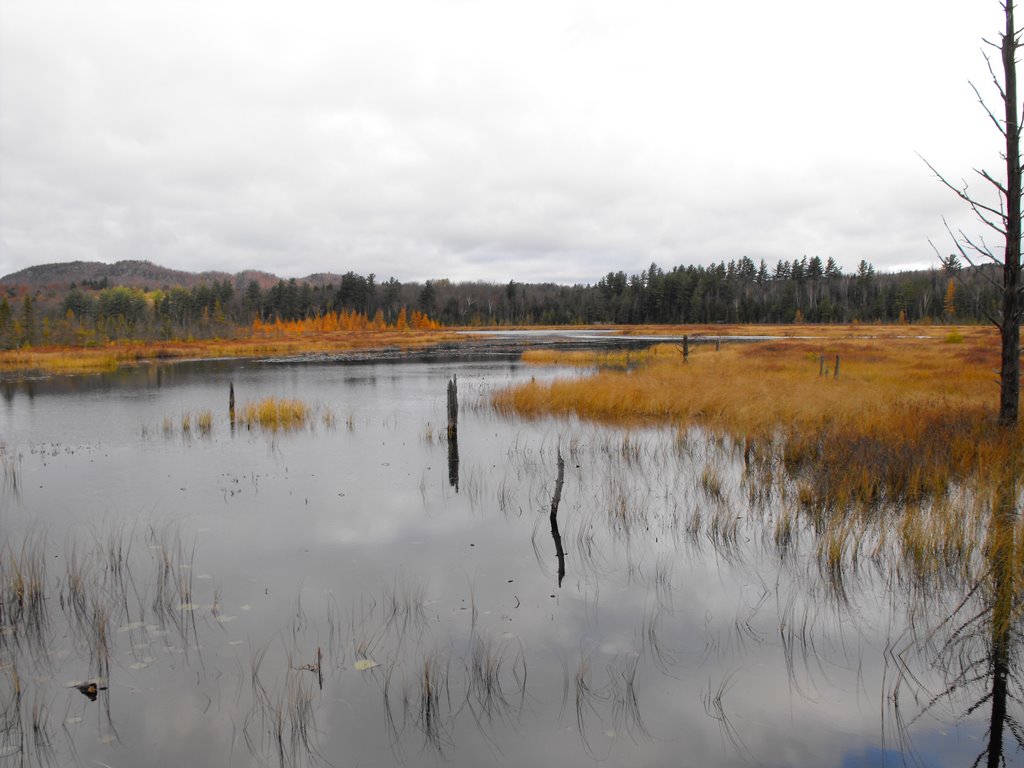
(1009, 372)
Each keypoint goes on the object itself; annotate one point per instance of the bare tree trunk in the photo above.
(1009, 372)
(1003, 218)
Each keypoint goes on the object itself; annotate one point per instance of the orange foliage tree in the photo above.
(346, 320)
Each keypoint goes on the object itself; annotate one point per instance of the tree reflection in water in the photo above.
(980, 649)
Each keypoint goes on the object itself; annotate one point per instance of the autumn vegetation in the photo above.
(275, 414)
(331, 333)
(908, 413)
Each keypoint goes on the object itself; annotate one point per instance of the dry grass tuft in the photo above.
(204, 422)
(275, 414)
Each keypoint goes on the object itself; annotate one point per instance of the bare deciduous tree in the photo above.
(1004, 216)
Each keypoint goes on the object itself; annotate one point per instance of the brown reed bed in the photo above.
(111, 356)
(905, 418)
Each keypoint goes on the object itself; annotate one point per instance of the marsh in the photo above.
(341, 593)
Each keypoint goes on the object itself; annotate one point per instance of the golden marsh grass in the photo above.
(204, 422)
(907, 416)
(109, 357)
(275, 414)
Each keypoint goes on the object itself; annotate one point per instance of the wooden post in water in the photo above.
(835, 372)
(453, 461)
(555, 535)
(453, 408)
(231, 402)
(453, 433)
(821, 364)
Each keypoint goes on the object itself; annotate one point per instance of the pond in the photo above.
(364, 590)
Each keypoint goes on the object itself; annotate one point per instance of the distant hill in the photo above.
(136, 274)
(263, 279)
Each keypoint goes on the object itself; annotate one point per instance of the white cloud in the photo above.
(483, 140)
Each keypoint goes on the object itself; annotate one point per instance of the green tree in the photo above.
(83, 305)
(28, 321)
(427, 297)
(127, 305)
(252, 301)
(6, 324)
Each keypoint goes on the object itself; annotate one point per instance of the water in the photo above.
(364, 592)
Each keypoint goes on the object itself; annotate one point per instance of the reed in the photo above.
(907, 418)
(485, 675)
(12, 726)
(23, 587)
(614, 704)
(75, 594)
(286, 717)
(275, 414)
(99, 638)
(328, 418)
(711, 482)
(10, 465)
(308, 339)
(63, 361)
(618, 360)
(433, 680)
(204, 422)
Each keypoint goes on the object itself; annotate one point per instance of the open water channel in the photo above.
(362, 592)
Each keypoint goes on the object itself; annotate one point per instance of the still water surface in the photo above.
(363, 592)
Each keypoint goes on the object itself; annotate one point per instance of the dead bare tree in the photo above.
(1004, 217)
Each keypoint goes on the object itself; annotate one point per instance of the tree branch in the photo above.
(995, 79)
(976, 206)
(982, 249)
(995, 121)
(966, 256)
(994, 182)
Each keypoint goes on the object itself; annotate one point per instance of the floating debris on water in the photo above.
(88, 688)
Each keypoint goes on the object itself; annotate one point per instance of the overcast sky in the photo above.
(473, 139)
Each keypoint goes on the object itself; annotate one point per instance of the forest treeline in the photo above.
(802, 291)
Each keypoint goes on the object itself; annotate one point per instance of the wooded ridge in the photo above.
(137, 299)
